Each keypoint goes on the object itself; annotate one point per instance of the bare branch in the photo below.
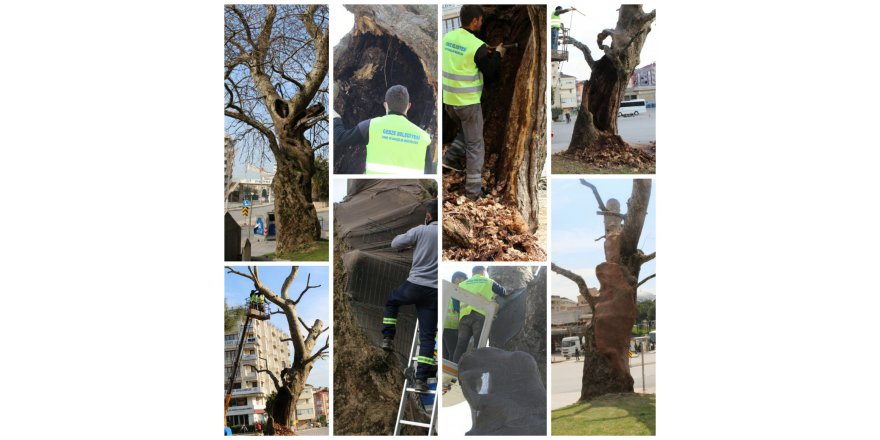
(320, 351)
(231, 270)
(596, 193)
(306, 289)
(647, 258)
(288, 281)
(579, 280)
(646, 279)
(588, 56)
(309, 329)
(271, 376)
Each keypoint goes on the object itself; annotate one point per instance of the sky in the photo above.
(341, 22)
(575, 226)
(315, 304)
(598, 16)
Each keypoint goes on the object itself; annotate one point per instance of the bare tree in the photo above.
(276, 61)
(290, 381)
(606, 357)
(596, 124)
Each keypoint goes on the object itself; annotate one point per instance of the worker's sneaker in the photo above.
(387, 344)
(421, 386)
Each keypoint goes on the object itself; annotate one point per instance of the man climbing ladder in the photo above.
(419, 289)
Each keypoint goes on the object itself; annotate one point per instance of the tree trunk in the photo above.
(606, 353)
(283, 407)
(595, 128)
(389, 45)
(514, 135)
(295, 215)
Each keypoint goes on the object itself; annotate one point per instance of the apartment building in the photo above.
(305, 405)
(262, 349)
(322, 402)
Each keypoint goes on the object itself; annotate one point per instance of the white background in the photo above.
(767, 229)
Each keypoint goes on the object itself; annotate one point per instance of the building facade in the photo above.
(322, 402)
(568, 318)
(305, 405)
(642, 84)
(451, 21)
(262, 349)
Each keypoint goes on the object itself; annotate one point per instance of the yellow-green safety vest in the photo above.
(396, 146)
(481, 285)
(555, 20)
(462, 80)
(451, 320)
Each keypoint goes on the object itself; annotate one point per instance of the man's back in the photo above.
(424, 265)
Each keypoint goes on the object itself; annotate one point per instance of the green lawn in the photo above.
(319, 251)
(614, 414)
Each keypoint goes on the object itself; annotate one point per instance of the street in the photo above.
(640, 129)
(314, 431)
(566, 379)
(259, 245)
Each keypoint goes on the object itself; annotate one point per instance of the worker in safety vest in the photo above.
(450, 321)
(467, 62)
(472, 318)
(556, 24)
(394, 144)
(419, 289)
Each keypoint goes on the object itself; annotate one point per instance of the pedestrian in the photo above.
(467, 62)
(556, 24)
(577, 354)
(472, 318)
(259, 429)
(567, 118)
(450, 322)
(419, 289)
(394, 144)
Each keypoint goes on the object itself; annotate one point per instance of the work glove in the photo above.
(500, 49)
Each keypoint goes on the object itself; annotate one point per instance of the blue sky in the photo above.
(315, 304)
(575, 226)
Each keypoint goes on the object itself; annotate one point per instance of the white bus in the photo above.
(632, 108)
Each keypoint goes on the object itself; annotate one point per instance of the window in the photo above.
(230, 337)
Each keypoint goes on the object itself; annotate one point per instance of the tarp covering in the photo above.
(510, 317)
(367, 219)
(505, 392)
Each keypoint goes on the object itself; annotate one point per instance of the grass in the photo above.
(318, 251)
(564, 165)
(614, 414)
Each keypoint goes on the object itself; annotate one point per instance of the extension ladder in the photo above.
(409, 387)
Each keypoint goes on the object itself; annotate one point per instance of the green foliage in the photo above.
(270, 401)
(322, 419)
(555, 112)
(647, 310)
(232, 316)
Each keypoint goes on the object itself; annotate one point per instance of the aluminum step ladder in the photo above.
(409, 387)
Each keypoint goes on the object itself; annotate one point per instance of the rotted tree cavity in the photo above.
(595, 137)
(514, 134)
(389, 45)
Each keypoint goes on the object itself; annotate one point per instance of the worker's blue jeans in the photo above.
(554, 38)
(425, 300)
(468, 326)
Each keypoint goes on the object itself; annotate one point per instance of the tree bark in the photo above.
(596, 124)
(606, 350)
(533, 337)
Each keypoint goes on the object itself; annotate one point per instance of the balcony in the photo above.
(248, 358)
(247, 391)
(252, 340)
